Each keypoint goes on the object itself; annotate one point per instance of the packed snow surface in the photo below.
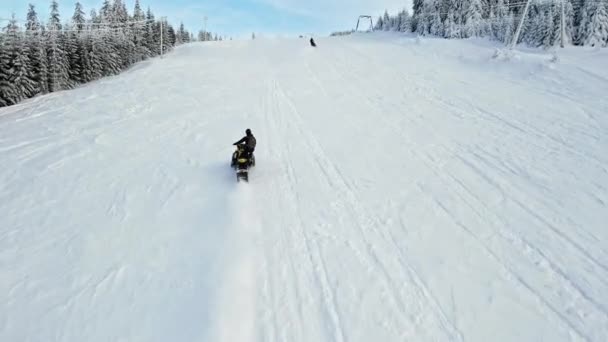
(405, 190)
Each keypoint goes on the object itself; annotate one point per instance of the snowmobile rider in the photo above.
(249, 141)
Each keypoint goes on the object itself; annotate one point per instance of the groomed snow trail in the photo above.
(406, 190)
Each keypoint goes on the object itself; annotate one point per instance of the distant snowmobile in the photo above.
(312, 43)
(241, 162)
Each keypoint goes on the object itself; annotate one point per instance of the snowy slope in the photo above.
(406, 190)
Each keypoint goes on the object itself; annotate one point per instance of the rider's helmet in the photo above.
(248, 131)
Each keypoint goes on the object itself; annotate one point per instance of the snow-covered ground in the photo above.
(405, 190)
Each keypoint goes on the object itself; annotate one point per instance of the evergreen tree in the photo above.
(106, 13)
(500, 20)
(417, 10)
(549, 27)
(436, 28)
(96, 58)
(181, 36)
(432, 17)
(78, 19)
(509, 28)
(171, 37)
(56, 57)
(472, 20)
(36, 52)
(16, 82)
(570, 31)
(426, 17)
(451, 25)
(387, 21)
(5, 86)
(405, 22)
(75, 47)
(594, 24)
(7, 90)
(120, 14)
(152, 34)
(379, 24)
(95, 19)
(535, 27)
(139, 33)
(75, 58)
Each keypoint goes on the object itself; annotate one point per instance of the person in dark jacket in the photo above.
(312, 43)
(248, 140)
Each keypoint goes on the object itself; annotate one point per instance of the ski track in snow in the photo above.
(406, 189)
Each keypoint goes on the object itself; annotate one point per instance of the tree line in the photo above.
(585, 21)
(39, 58)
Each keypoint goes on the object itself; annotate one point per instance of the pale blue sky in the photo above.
(238, 17)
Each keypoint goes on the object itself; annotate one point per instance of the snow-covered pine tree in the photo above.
(94, 70)
(64, 42)
(406, 24)
(179, 35)
(103, 55)
(570, 31)
(152, 34)
(499, 20)
(165, 34)
(429, 20)
(16, 82)
(594, 24)
(87, 72)
(530, 29)
(121, 15)
(537, 31)
(417, 8)
(396, 22)
(36, 52)
(122, 36)
(387, 21)
(549, 27)
(486, 8)
(436, 28)
(78, 18)
(95, 19)
(472, 19)
(557, 23)
(74, 55)
(76, 51)
(5, 89)
(139, 33)
(108, 49)
(577, 7)
(56, 56)
(97, 57)
(106, 13)
(509, 28)
(171, 37)
(451, 24)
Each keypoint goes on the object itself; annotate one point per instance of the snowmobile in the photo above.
(241, 162)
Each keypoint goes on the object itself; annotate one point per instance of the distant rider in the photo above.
(249, 141)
